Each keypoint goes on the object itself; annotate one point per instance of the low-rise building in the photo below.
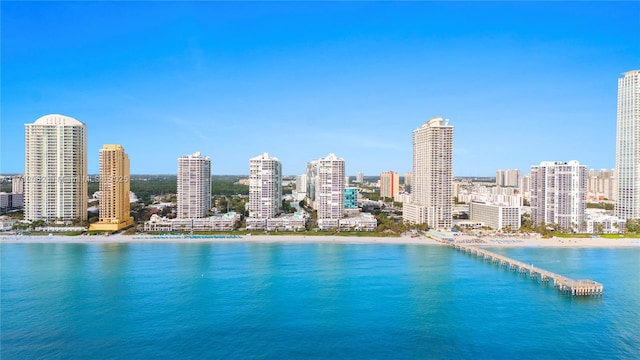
(288, 222)
(360, 222)
(223, 222)
(157, 223)
(495, 216)
(326, 224)
(256, 223)
(7, 223)
(402, 198)
(600, 222)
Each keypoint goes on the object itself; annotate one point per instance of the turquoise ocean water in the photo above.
(287, 300)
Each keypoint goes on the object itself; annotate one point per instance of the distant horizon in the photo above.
(299, 80)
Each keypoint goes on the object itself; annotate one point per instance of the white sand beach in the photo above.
(530, 241)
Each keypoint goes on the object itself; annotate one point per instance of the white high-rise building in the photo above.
(55, 186)
(432, 175)
(312, 182)
(194, 186)
(525, 186)
(628, 146)
(265, 186)
(330, 191)
(507, 177)
(17, 184)
(558, 194)
(301, 187)
(360, 178)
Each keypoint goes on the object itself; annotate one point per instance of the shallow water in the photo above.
(275, 300)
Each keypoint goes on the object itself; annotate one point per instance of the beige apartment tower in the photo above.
(114, 190)
(432, 175)
(55, 178)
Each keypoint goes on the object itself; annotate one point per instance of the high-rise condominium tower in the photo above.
(628, 146)
(389, 184)
(432, 175)
(114, 190)
(17, 184)
(559, 194)
(194, 186)
(55, 185)
(330, 191)
(265, 186)
(508, 177)
(312, 181)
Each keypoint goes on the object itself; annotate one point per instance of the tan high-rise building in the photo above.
(389, 184)
(114, 190)
(432, 183)
(55, 177)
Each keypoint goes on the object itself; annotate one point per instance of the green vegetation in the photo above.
(373, 196)
(225, 204)
(563, 235)
(228, 187)
(620, 236)
(525, 223)
(633, 226)
(5, 187)
(147, 186)
(130, 231)
(387, 224)
(601, 205)
(287, 208)
(18, 215)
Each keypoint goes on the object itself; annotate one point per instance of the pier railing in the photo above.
(562, 283)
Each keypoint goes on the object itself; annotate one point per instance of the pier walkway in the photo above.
(562, 283)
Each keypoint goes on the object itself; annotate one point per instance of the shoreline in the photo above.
(302, 239)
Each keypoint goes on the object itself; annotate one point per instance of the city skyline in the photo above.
(315, 78)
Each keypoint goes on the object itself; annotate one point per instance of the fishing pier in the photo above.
(562, 283)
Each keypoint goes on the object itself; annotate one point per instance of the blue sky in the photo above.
(521, 82)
